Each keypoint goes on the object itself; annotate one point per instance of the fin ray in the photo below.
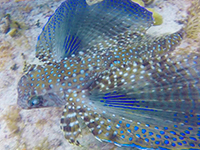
(121, 131)
(89, 25)
(69, 124)
(170, 97)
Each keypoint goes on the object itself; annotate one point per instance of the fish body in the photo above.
(125, 85)
(60, 78)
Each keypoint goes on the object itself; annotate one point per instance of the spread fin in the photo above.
(151, 46)
(69, 123)
(167, 87)
(111, 127)
(75, 26)
(161, 91)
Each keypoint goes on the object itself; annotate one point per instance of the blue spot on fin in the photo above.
(158, 125)
(160, 88)
(176, 106)
(88, 25)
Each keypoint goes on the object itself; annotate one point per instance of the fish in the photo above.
(125, 85)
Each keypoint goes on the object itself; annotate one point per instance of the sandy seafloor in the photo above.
(38, 129)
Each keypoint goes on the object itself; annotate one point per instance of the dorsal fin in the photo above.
(76, 26)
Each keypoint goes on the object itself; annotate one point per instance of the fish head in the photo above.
(32, 96)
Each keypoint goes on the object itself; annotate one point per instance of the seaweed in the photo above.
(14, 67)
(12, 27)
(13, 32)
(5, 28)
(38, 23)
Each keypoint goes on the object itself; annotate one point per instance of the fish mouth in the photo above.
(29, 101)
(22, 101)
(50, 100)
(23, 90)
(29, 97)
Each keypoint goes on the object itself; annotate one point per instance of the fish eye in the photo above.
(35, 101)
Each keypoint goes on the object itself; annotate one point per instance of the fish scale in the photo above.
(124, 84)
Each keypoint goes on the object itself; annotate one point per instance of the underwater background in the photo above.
(20, 25)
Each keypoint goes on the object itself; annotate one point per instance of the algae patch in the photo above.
(13, 120)
(158, 19)
(11, 27)
(44, 145)
(40, 123)
(5, 53)
(193, 23)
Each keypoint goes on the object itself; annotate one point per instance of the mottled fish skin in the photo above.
(49, 84)
(125, 85)
(51, 47)
(133, 104)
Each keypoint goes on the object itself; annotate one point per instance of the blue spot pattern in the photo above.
(126, 86)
